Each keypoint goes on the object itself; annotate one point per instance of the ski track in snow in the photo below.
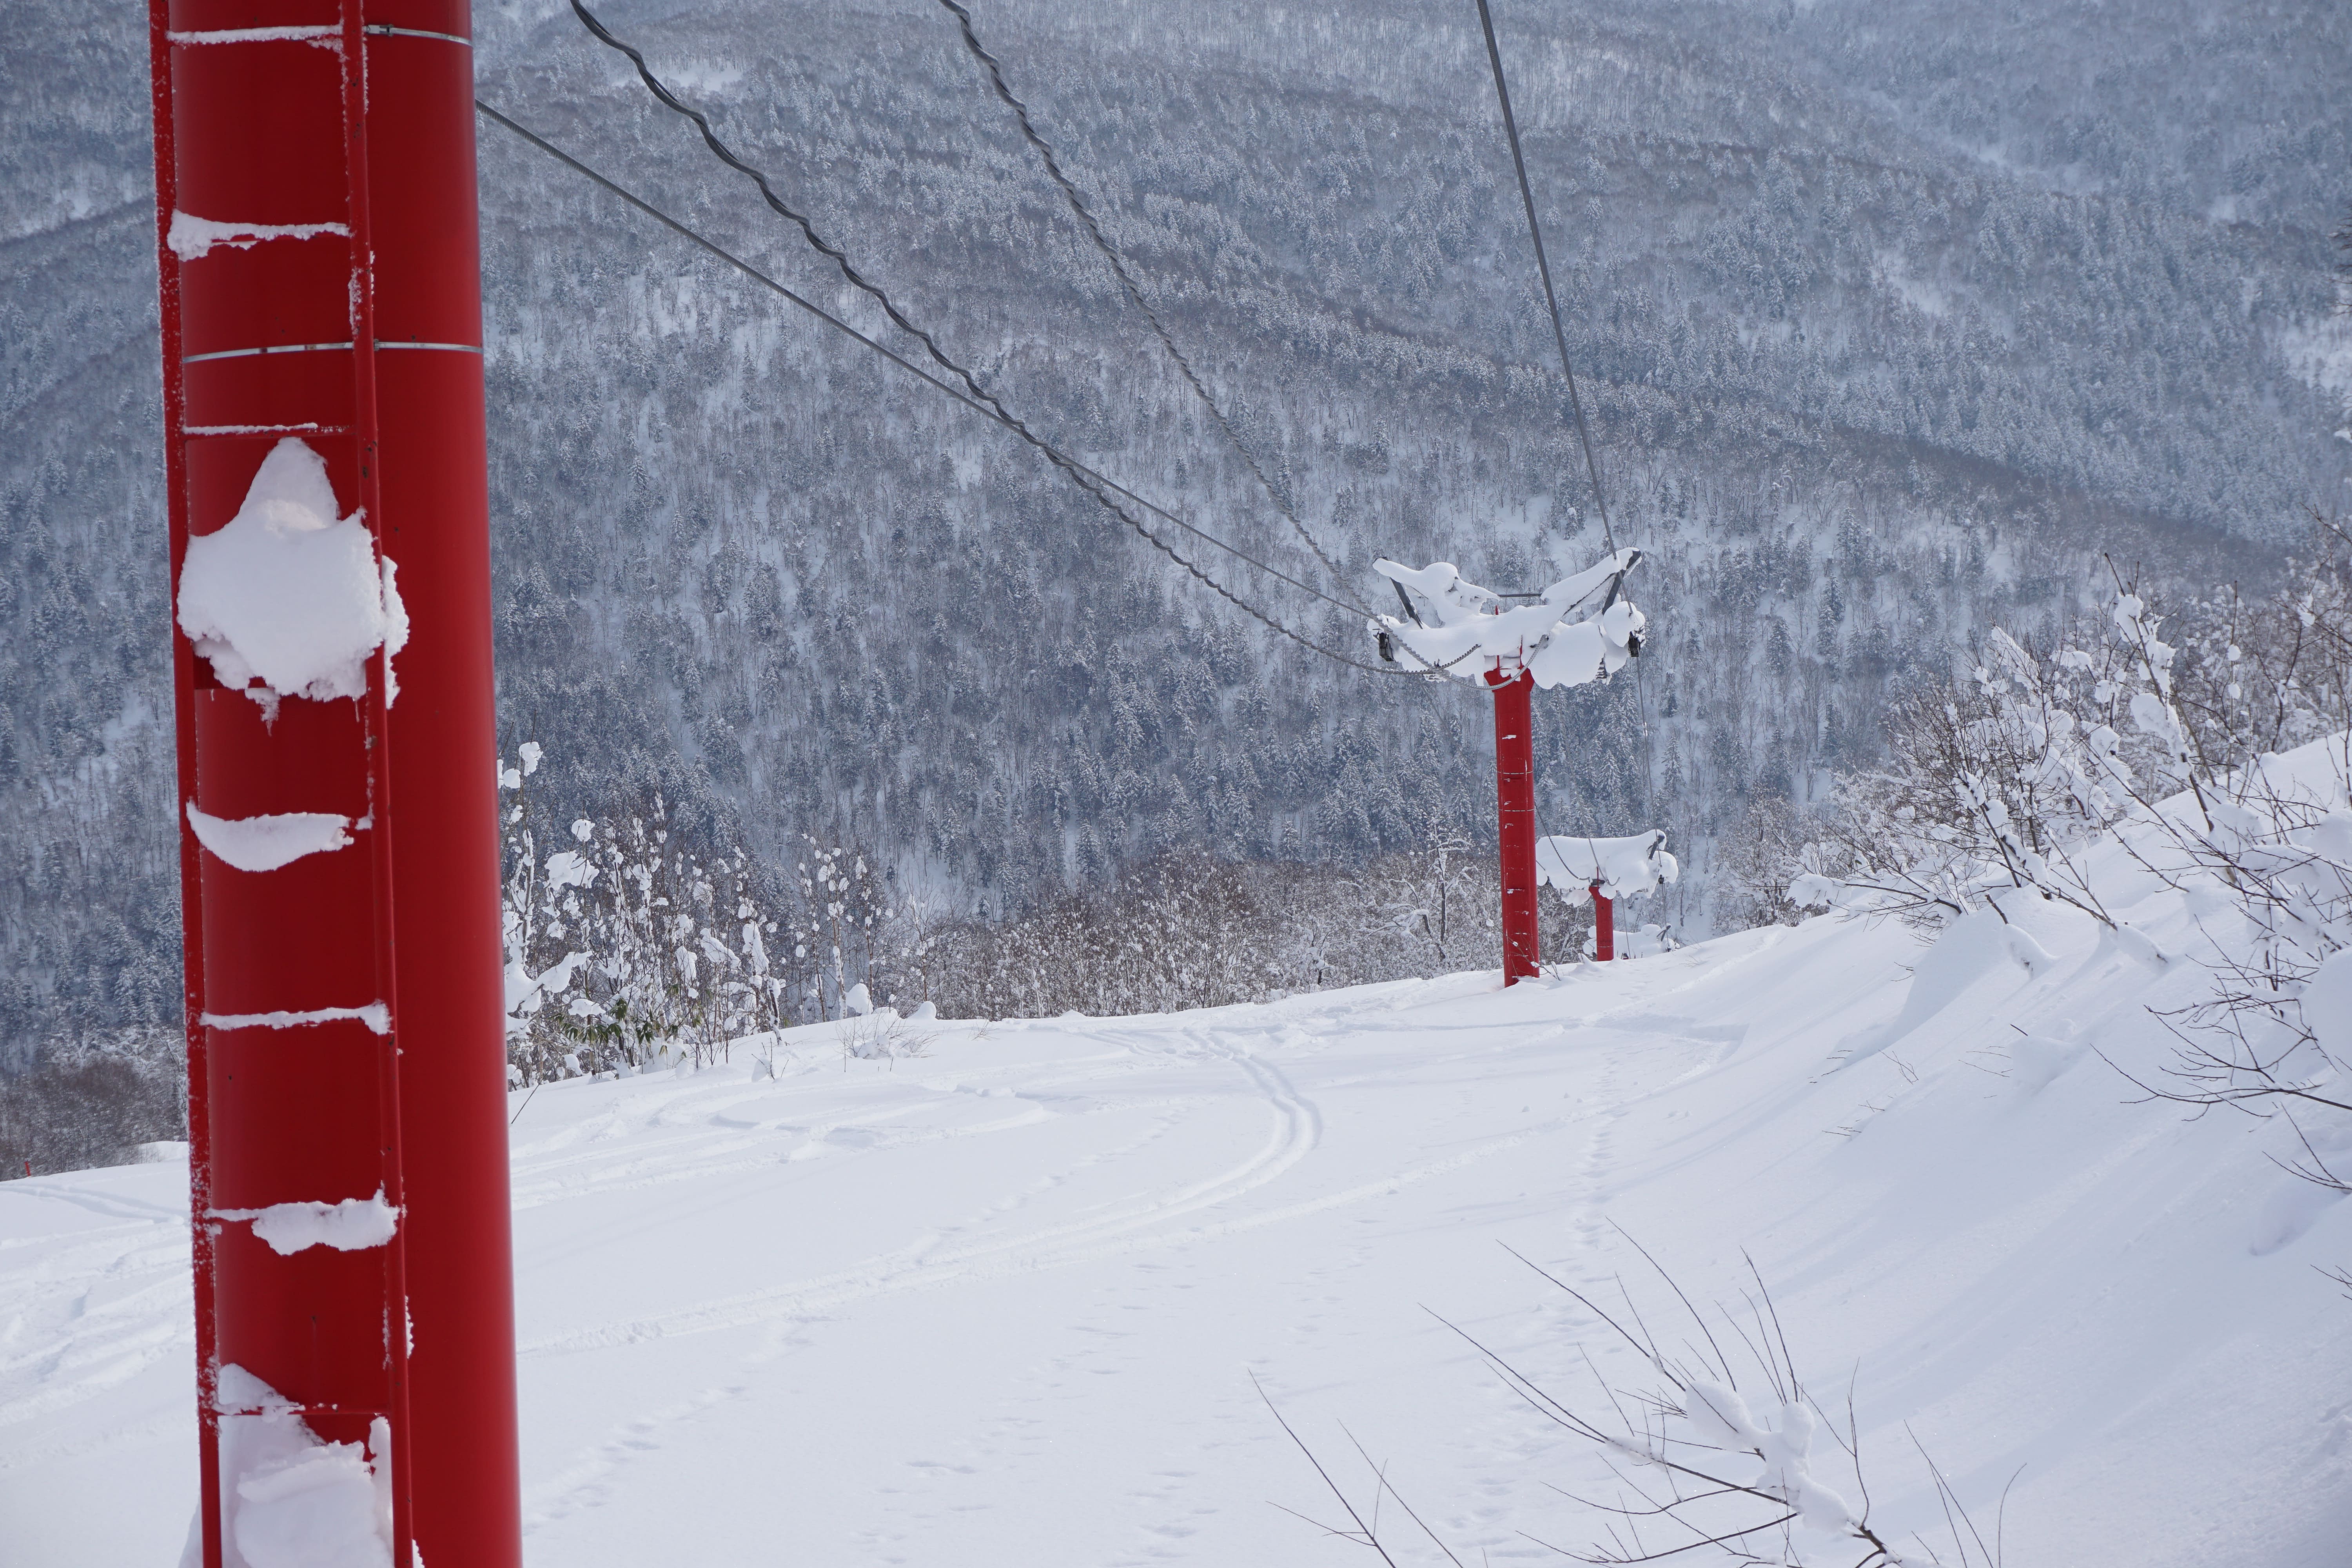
(1001, 1304)
(936, 1260)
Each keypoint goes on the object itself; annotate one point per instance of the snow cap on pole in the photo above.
(1618, 866)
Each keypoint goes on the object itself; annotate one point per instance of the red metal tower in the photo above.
(1514, 802)
(320, 277)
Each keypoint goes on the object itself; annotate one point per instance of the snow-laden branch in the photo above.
(1582, 629)
(2118, 766)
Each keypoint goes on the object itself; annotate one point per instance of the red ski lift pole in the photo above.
(1604, 926)
(1515, 803)
(321, 305)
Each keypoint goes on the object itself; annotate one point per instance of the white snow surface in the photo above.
(285, 592)
(352, 1225)
(999, 1305)
(265, 843)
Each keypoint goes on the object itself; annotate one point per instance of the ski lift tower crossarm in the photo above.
(1605, 870)
(1461, 630)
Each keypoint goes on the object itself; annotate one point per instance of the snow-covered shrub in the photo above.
(92, 1102)
(1191, 931)
(1718, 1448)
(1176, 932)
(2148, 754)
(843, 921)
(624, 951)
(1994, 782)
(1756, 861)
(1435, 895)
(2265, 675)
(2001, 780)
(2270, 873)
(883, 1036)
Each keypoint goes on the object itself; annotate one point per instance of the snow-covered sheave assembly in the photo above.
(1605, 870)
(1461, 629)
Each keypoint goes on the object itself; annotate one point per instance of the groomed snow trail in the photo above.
(1001, 1304)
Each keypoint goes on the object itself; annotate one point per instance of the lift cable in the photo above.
(1559, 337)
(726, 156)
(1099, 488)
(1086, 218)
(1543, 268)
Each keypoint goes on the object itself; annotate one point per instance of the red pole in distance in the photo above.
(1604, 926)
(321, 299)
(1515, 801)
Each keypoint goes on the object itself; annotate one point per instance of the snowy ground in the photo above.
(1001, 1304)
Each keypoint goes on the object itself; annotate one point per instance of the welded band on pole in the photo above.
(267, 349)
(306, 427)
(324, 35)
(382, 344)
(313, 34)
(384, 30)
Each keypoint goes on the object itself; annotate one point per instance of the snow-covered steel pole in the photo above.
(1514, 810)
(322, 379)
(1461, 631)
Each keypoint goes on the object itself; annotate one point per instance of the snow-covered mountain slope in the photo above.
(1002, 1302)
(1891, 315)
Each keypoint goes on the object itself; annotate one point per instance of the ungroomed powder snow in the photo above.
(1001, 1304)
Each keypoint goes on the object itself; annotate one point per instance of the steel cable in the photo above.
(1078, 204)
(1543, 269)
(1567, 370)
(726, 156)
(1099, 488)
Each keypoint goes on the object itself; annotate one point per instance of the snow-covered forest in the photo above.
(1893, 317)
